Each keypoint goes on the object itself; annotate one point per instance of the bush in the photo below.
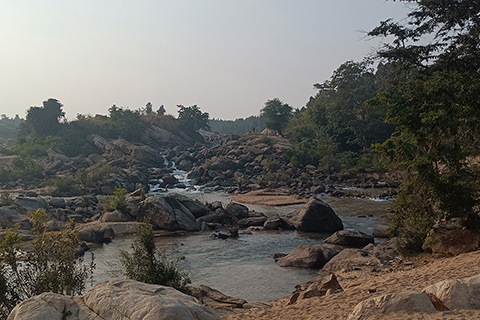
(50, 266)
(117, 200)
(149, 265)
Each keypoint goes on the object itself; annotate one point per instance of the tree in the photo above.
(125, 123)
(161, 110)
(276, 114)
(45, 120)
(192, 118)
(148, 108)
(435, 105)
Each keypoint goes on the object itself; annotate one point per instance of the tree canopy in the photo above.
(45, 120)
(276, 114)
(433, 99)
(192, 118)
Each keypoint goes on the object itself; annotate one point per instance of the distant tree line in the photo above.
(238, 126)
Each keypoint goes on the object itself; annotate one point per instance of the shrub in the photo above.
(117, 200)
(149, 265)
(50, 266)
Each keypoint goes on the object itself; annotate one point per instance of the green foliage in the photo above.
(434, 102)
(9, 128)
(192, 118)
(125, 123)
(50, 266)
(148, 264)
(117, 200)
(45, 120)
(238, 126)
(276, 114)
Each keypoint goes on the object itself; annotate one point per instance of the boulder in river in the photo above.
(310, 256)
(316, 216)
(350, 238)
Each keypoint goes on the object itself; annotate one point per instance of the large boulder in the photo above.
(350, 238)
(451, 238)
(95, 232)
(168, 213)
(319, 286)
(9, 217)
(407, 302)
(351, 259)
(115, 299)
(316, 216)
(457, 294)
(29, 204)
(310, 256)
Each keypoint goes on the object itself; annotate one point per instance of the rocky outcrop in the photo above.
(324, 284)
(310, 256)
(457, 294)
(215, 299)
(445, 295)
(351, 259)
(350, 238)
(171, 212)
(115, 299)
(316, 216)
(408, 302)
(451, 238)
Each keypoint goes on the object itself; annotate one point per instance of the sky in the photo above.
(226, 56)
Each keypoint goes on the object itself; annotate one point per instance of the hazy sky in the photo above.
(226, 56)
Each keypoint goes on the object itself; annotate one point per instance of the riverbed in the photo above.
(242, 267)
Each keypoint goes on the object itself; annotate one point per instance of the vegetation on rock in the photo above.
(148, 264)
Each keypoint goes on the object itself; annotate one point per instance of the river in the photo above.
(241, 267)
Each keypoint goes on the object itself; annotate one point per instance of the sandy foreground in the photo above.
(362, 284)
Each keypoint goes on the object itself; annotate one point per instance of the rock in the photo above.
(316, 216)
(237, 210)
(316, 288)
(317, 189)
(115, 299)
(95, 232)
(380, 232)
(9, 216)
(115, 216)
(451, 238)
(310, 256)
(167, 212)
(196, 208)
(408, 302)
(252, 222)
(351, 259)
(31, 204)
(350, 238)
(273, 223)
(214, 298)
(58, 202)
(457, 294)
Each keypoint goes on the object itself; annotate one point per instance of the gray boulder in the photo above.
(28, 204)
(316, 216)
(310, 256)
(350, 238)
(167, 212)
(115, 299)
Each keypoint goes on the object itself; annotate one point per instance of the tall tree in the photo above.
(192, 118)
(276, 114)
(435, 105)
(45, 120)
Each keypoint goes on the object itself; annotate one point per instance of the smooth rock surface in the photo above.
(316, 216)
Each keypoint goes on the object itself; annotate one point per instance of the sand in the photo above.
(360, 285)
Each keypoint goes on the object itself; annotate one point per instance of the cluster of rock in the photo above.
(463, 294)
(115, 299)
(255, 161)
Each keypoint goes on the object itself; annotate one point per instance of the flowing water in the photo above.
(241, 267)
